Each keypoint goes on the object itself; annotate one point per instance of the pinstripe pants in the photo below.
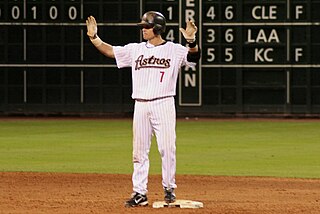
(156, 117)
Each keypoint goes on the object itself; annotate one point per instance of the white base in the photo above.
(178, 203)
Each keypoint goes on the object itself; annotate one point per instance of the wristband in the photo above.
(192, 44)
(96, 42)
(191, 40)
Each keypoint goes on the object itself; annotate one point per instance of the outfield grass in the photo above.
(233, 148)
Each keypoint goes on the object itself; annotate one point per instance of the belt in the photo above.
(150, 100)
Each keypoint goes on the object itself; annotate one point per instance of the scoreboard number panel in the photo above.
(258, 39)
(42, 11)
(242, 42)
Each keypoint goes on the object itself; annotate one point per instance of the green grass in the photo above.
(282, 149)
(233, 148)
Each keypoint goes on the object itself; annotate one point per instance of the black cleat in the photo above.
(136, 200)
(169, 195)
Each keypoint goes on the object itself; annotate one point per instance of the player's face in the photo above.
(148, 33)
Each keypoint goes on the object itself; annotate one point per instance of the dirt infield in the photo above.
(101, 193)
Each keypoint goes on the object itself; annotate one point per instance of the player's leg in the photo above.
(164, 124)
(142, 134)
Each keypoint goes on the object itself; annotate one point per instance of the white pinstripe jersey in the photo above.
(155, 69)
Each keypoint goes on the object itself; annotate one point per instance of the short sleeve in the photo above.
(123, 55)
(185, 61)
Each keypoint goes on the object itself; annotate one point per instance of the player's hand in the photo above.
(190, 32)
(92, 27)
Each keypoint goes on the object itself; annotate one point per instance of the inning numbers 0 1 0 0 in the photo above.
(53, 12)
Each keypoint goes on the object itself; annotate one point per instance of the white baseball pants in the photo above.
(156, 117)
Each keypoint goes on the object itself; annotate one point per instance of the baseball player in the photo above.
(155, 67)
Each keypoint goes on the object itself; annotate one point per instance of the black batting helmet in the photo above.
(155, 20)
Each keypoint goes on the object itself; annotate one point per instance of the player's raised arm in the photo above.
(92, 31)
(190, 35)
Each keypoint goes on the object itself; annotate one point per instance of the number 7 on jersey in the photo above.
(162, 74)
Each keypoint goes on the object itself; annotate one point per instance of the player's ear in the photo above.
(155, 33)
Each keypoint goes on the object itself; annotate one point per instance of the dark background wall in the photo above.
(258, 57)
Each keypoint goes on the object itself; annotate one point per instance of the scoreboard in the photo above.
(258, 56)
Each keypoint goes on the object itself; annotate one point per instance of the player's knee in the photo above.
(167, 150)
(139, 158)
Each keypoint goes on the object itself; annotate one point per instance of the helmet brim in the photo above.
(144, 24)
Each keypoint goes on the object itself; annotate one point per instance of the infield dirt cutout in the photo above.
(26, 192)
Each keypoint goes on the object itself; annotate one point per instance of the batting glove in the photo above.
(92, 28)
(190, 32)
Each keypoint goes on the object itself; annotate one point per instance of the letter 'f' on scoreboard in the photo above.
(190, 78)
